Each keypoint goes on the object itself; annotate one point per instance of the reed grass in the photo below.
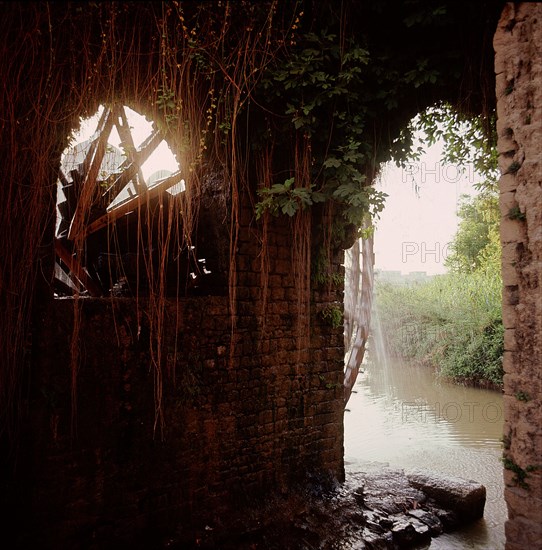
(452, 322)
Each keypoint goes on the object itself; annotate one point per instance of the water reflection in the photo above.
(404, 416)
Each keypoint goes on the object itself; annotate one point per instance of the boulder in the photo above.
(466, 498)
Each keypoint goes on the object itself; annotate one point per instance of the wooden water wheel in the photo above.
(101, 192)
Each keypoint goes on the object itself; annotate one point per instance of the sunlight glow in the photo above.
(161, 159)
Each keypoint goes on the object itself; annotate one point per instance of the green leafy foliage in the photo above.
(521, 474)
(320, 85)
(333, 315)
(285, 198)
(318, 77)
(516, 214)
(468, 139)
(166, 102)
(344, 95)
(476, 242)
(453, 322)
(522, 396)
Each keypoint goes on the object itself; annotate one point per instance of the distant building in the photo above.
(398, 278)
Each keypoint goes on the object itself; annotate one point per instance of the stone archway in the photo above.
(300, 415)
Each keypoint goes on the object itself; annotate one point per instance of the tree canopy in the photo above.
(476, 244)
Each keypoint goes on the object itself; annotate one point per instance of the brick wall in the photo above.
(238, 427)
(518, 66)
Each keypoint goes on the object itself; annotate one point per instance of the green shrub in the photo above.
(452, 322)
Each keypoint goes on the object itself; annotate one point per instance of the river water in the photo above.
(405, 417)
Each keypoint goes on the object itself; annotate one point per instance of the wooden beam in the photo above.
(68, 281)
(132, 203)
(362, 320)
(129, 168)
(91, 169)
(104, 126)
(77, 269)
(128, 145)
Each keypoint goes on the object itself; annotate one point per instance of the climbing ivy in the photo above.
(320, 86)
(287, 199)
(467, 139)
(333, 315)
(521, 474)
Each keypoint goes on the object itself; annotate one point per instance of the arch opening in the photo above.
(119, 211)
(404, 411)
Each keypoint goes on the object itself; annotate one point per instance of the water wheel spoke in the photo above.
(132, 203)
(76, 269)
(128, 145)
(129, 168)
(89, 172)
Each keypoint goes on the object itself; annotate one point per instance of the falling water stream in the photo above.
(405, 417)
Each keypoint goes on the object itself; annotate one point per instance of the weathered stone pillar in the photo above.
(518, 66)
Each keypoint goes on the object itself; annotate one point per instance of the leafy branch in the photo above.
(285, 198)
(321, 87)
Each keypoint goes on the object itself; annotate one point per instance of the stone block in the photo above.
(507, 144)
(507, 201)
(512, 230)
(509, 318)
(465, 498)
(508, 269)
(507, 182)
(523, 534)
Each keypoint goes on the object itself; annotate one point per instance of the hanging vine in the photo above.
(294, 105)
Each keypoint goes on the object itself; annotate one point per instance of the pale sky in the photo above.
(419, 218)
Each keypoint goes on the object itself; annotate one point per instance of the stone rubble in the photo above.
(378, 510)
